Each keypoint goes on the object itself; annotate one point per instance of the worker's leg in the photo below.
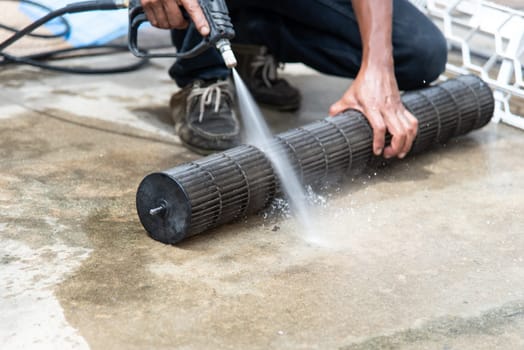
(324, 34)
(207, 66)
(203, 109)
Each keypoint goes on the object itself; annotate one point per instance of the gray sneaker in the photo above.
(258, 69)
(204, 117)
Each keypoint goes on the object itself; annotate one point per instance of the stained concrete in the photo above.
(426, 253)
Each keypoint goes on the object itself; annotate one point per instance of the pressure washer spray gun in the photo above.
(221, 32)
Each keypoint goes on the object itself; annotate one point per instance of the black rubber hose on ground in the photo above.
(40, 59)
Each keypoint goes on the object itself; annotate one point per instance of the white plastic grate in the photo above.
(490, 38)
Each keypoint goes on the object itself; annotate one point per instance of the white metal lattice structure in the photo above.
(490, 38)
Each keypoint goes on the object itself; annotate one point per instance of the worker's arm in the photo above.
(374, 91)
(167, 14)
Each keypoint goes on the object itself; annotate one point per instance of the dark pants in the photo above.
(322, 34)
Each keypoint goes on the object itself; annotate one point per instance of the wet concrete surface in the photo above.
(426, 253)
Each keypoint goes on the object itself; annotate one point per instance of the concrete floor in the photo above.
(424, 254)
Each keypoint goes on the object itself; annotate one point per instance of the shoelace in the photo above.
(206, 99)
(268, 67)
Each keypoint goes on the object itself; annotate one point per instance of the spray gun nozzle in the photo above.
(224, 46)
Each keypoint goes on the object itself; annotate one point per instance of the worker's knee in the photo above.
(425, 60)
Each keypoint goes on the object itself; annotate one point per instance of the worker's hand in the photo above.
(375, 93)
(167, 14)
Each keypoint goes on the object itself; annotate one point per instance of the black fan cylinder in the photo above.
(197, 196)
